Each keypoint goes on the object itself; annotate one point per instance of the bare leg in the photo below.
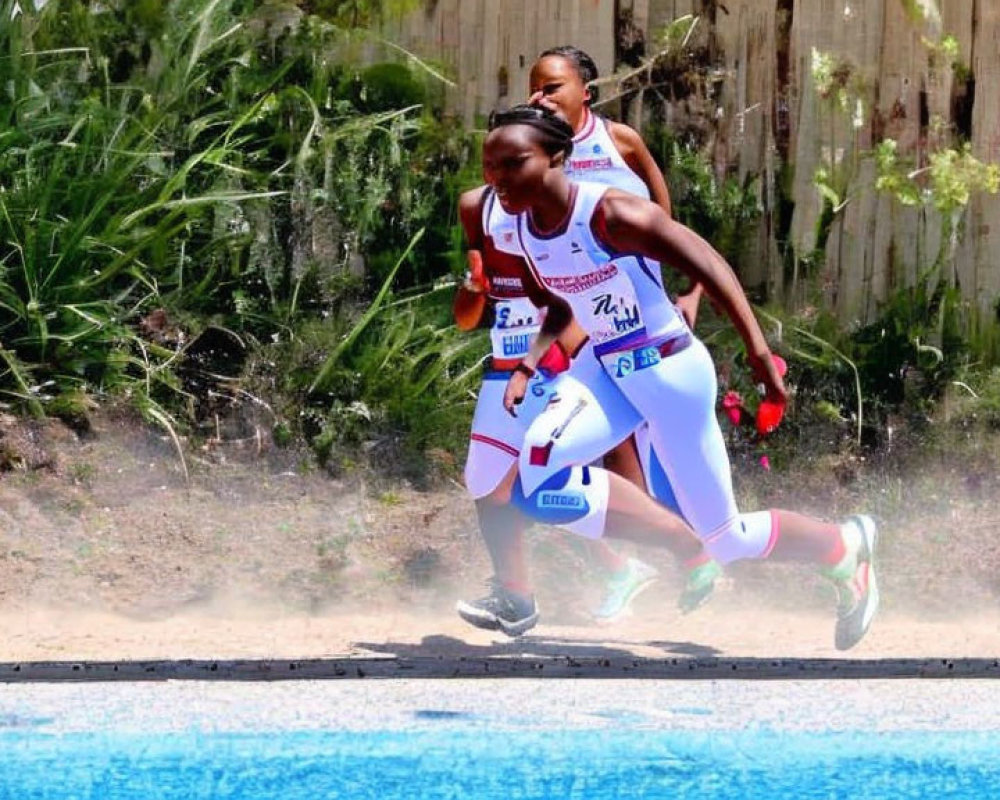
(635, 516)
(807, 539)
(503, 527)
(622, 460)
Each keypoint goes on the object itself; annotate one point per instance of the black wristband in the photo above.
(524, 369)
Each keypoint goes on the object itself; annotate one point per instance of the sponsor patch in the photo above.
(590, 164)
(636, 360)
(560, 500)
(516, 345)
(574, 284)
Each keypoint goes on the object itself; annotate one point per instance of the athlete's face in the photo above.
(556, 84)
(515, 165)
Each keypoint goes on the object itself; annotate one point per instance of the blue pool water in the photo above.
(446, 761)
(482, 739)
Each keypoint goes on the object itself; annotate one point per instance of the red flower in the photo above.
(732, 404)
(769, 416)
(765, 462)
(769, 412)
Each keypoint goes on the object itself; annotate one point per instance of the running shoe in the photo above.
(699, 586)
(500, 610)
(623, 587)
(857, 588)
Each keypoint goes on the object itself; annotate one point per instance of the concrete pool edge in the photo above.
(524, 666)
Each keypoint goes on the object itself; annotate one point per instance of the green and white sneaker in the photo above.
(699, 586)
(622, 589)
(855, 582)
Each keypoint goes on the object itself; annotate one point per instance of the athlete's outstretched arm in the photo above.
(631, 224)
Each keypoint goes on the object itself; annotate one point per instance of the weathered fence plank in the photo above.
(769, 117)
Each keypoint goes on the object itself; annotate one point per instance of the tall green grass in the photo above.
(204, 157)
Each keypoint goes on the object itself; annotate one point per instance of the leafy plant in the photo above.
(205, 164)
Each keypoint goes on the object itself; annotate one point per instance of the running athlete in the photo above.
(617, 156)
(496, 279)
(588, 249)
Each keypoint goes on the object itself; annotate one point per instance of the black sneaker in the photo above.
(500, 610)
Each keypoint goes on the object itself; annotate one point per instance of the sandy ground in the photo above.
(107, 552)
(723, 630)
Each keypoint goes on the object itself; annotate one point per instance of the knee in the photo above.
(745, 537)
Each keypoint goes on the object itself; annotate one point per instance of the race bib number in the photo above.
(516, 323)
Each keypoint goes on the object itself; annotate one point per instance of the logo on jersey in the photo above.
(559, 500)
(646, 357)
(637, 360)
(506, 282)
(597, 149)
(516, 345)
(590, 164)
(505, 319)
(574, 284)
(624, 317)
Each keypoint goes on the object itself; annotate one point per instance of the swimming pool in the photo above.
(501, 739)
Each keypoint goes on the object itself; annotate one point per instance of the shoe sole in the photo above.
(477, 618)
(852, 628)
(515, 629)
(491, 622)
(626, 609)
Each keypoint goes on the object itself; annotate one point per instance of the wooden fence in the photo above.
(769, 122)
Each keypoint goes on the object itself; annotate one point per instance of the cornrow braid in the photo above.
(585, 66)
(556, 132)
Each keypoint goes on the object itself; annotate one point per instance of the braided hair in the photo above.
(555, 132)
(582, 63)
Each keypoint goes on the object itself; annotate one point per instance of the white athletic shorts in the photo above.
(579, 417)
(495, 441)
(582, 406)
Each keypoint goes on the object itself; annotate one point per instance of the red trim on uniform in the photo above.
(775, 533)
(539, 456)
(563, 225)
(508, 449)
(588, 126)
(504, 364)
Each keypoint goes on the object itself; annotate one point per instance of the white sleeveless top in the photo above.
(516, 320)
(616, 297)
(595, 158)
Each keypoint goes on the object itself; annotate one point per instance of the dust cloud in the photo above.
(108, 552)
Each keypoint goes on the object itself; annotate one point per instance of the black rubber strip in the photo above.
(432, 667)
